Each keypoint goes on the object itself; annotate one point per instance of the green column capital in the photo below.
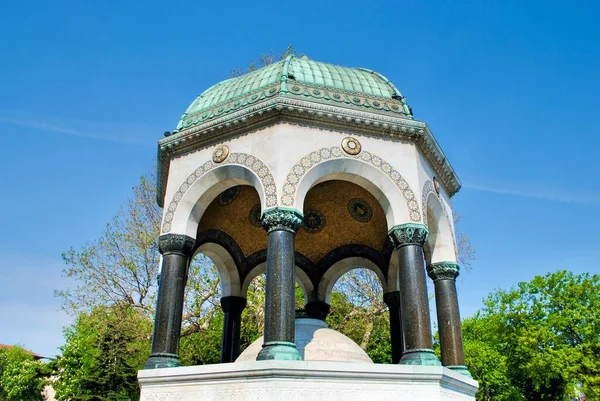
(177, 244)
(409, 234)
(443, 271)
(279, 218)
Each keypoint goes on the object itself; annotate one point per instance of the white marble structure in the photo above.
(331, 162)
(305, 381)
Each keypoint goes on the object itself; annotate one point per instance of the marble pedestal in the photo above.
(305, 380)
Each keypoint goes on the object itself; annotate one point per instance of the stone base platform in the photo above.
(305, 380)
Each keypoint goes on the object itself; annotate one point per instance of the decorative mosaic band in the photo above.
(409, 234)
(427, 189)
(254, 164)
(443, 271)
(288, 196)
(282, 219)
(176, 243)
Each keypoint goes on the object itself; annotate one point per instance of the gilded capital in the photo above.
(409, 234)
(282, 219)
(443, 271)
(176, 243)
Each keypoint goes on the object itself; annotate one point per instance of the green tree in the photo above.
(486, 361)
(543, 336)
(104, 350)
(22, 378)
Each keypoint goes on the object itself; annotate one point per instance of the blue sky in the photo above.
(508, 88)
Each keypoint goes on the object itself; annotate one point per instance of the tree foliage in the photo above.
(486, 361)
(538, 341)
(22, 378)
(120, 266)
(358, 311)
(104, 350)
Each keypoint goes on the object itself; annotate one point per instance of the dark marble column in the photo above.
(281, 225)
(392, 300)
(177, 251)
(317, 309)
(416, 325)
(232, 309)
(444, 276)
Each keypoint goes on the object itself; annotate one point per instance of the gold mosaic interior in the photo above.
(331, 198)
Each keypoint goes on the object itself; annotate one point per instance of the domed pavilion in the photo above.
(306, 170)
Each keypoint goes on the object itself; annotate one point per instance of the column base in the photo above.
(162, 360)
(461, 369)
(279, 350)
(420, 356)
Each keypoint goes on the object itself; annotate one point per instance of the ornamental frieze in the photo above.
(224, 126)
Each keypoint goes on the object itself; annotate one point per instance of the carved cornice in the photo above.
(409, 234)
(176, 243)
(293, 110)
(282, 219)
(443, 271)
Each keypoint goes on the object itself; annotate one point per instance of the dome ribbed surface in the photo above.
(300, 78)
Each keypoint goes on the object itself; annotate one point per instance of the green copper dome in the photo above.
(298, 78)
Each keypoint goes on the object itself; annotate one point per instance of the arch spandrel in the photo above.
(203, 185)
(365, 169)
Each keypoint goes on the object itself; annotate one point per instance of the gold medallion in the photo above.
(220, 154)
(351, 146)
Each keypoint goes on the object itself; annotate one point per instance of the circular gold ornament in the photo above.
(220, 154)
(351, 146)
